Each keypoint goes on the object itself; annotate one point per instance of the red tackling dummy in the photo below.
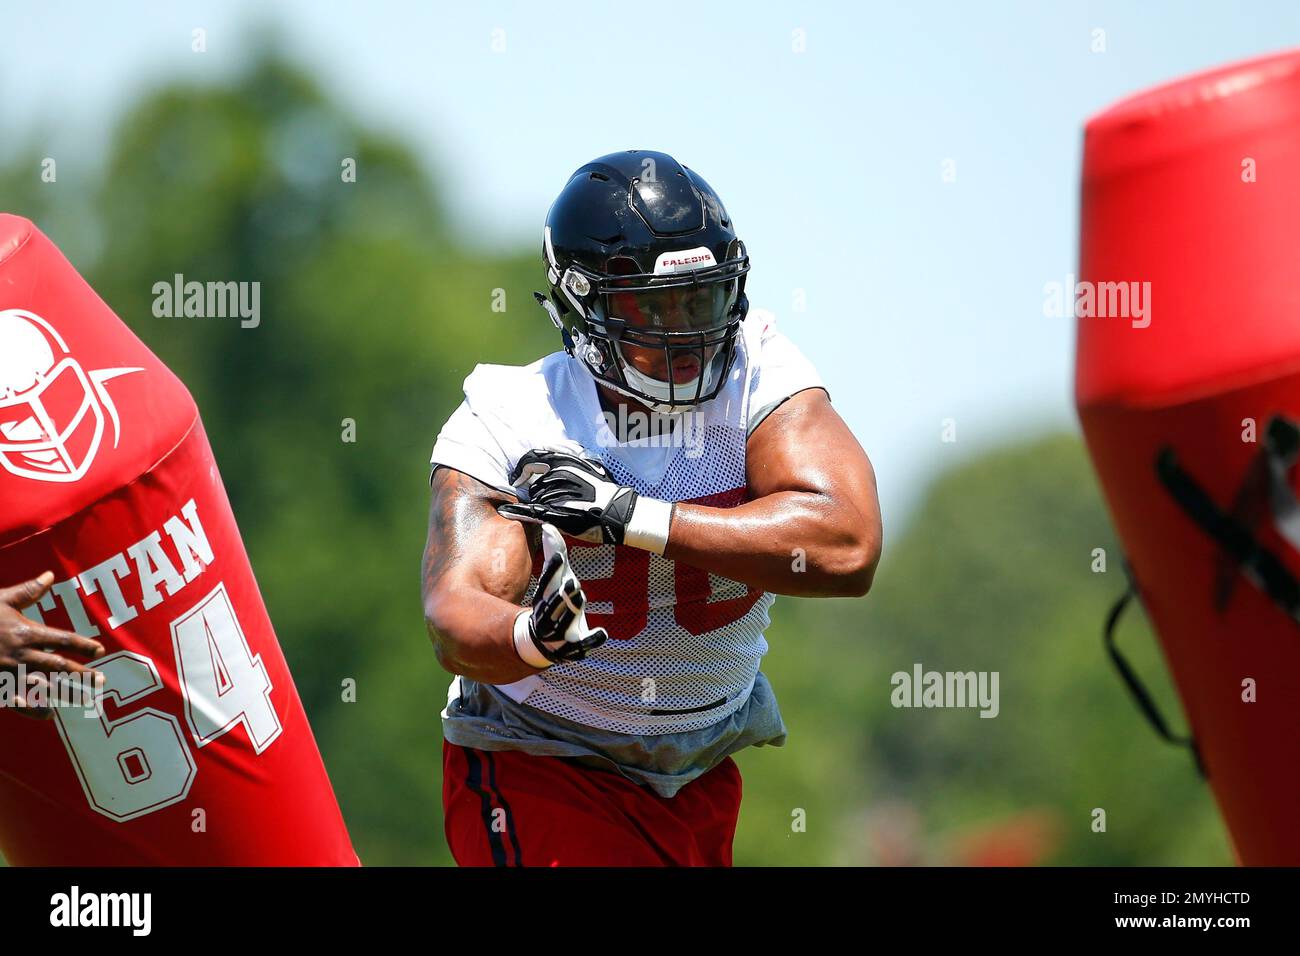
(202, 755)
(1189, 401)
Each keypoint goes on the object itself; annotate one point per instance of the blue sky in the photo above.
(923, 297)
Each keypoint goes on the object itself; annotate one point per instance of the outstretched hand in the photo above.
(42, 650)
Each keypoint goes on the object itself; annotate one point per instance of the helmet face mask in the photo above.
(707, 356)
(673, 344)
(653, 309)
(41, 433)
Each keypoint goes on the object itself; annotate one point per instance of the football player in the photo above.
(609, 526)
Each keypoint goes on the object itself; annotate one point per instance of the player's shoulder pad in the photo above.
(514, 396)
(498, 386)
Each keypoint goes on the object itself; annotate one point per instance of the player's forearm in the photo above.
(473, 635)
(797, 543)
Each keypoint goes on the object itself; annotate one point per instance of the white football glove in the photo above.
(556, 628)
(581, 498)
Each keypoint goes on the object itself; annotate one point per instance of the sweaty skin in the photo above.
(811, 528)
(476, 570)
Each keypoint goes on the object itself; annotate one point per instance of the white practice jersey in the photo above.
(684, 645)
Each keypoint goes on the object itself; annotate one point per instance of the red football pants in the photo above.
(509, 808)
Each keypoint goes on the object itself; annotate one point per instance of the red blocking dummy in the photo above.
(200, 753)
(1189, 410)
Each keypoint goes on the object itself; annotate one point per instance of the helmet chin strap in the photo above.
(668, 411)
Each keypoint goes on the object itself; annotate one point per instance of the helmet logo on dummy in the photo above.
(52, 411)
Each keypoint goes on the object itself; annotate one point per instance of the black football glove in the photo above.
(556, 629)
(580, 497)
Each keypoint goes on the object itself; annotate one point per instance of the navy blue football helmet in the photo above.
(641, 255)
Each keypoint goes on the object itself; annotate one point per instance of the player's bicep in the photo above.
(469, 545)
(803, 445)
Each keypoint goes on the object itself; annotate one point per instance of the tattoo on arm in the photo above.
(467, 536)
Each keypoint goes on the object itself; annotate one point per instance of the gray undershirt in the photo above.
(483, 718)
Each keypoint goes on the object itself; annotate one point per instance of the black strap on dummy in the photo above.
(1266, 487)
(1134, 683)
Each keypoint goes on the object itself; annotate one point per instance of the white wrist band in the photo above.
(524, 645)
(648, 527)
